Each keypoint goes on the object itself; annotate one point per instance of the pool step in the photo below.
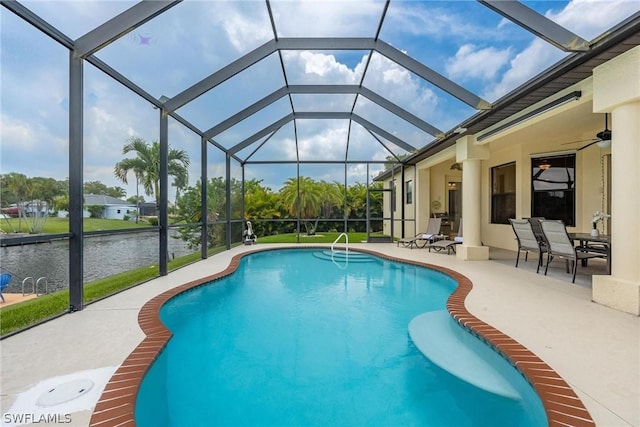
(344, 256)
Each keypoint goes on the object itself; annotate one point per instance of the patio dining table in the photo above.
(604, 244)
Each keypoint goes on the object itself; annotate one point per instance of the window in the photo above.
(408, 190)
(553, 187)
(503, 193)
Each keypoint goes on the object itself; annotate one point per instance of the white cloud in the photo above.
(471, 62)
(585, 17)
(315, 18)
(435, 20)
(590, 18)
(400, 86)
(536, 57)
(18, 133)
(326, 144)
(245, 25)
(306, 67)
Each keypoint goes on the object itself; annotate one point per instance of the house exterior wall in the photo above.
(119, 212)
(590, 188)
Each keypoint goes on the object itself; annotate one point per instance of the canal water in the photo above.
(104, 256)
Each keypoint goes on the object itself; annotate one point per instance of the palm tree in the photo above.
(310, 200)
(146, 165)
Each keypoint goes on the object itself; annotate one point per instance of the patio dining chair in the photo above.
(537, 228)
(527, 240)
(420, 240)
(561, 246)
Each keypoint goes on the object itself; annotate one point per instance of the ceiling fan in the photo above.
(603, 138)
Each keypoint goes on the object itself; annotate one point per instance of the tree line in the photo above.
(312, 199)
(269, 210)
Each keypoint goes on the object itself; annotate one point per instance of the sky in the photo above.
(461, 40)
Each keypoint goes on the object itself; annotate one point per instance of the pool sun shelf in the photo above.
(437, 335)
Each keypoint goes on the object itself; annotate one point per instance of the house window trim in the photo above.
(408, 189)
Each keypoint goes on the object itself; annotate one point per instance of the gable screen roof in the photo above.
(336, 81)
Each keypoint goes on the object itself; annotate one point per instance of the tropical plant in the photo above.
(34, 198)
(97, 187)
(189, 211)
(357, 204)
(261, 203)
(303, 196)
(146, 165)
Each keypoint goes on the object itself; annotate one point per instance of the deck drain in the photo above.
(64, 392)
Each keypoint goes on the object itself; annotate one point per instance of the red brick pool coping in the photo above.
(117, 404)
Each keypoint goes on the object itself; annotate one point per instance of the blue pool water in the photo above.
(294, 338)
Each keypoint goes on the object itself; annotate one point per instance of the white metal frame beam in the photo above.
(539, 25)
(353, 43)
(120, 25)
(322, 89)
(316, 115)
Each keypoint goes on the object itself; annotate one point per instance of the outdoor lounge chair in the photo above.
(527, 240)
(422, 239)
(449, 245)
(561, 246)
(5, 278)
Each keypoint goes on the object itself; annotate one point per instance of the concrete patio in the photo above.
(594, 348)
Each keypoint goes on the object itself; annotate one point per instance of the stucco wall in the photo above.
(589, 185)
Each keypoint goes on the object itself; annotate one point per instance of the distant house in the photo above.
(29, 208)
(148, 209)
(112, 208)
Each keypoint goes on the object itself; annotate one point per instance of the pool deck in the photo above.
(595, 349)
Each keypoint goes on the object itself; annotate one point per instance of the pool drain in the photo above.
(64, 392)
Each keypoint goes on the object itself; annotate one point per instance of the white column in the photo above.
(471, 156)
(422, 198)
(471, 202)
(616, 87)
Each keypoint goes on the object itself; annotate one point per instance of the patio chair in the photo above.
(420, 240)
(561, 246)
(449, 245)
(537, 228)
(527, 240)
(5, 279)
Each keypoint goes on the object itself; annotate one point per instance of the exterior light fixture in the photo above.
(456, 167)
(544, 165)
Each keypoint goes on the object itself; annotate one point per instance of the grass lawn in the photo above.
(61, 225)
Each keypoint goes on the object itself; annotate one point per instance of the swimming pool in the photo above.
(296, 338)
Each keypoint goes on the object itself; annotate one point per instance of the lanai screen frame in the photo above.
(83, 48)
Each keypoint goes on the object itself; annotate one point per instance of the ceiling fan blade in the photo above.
(589, 144)
(581, 140)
